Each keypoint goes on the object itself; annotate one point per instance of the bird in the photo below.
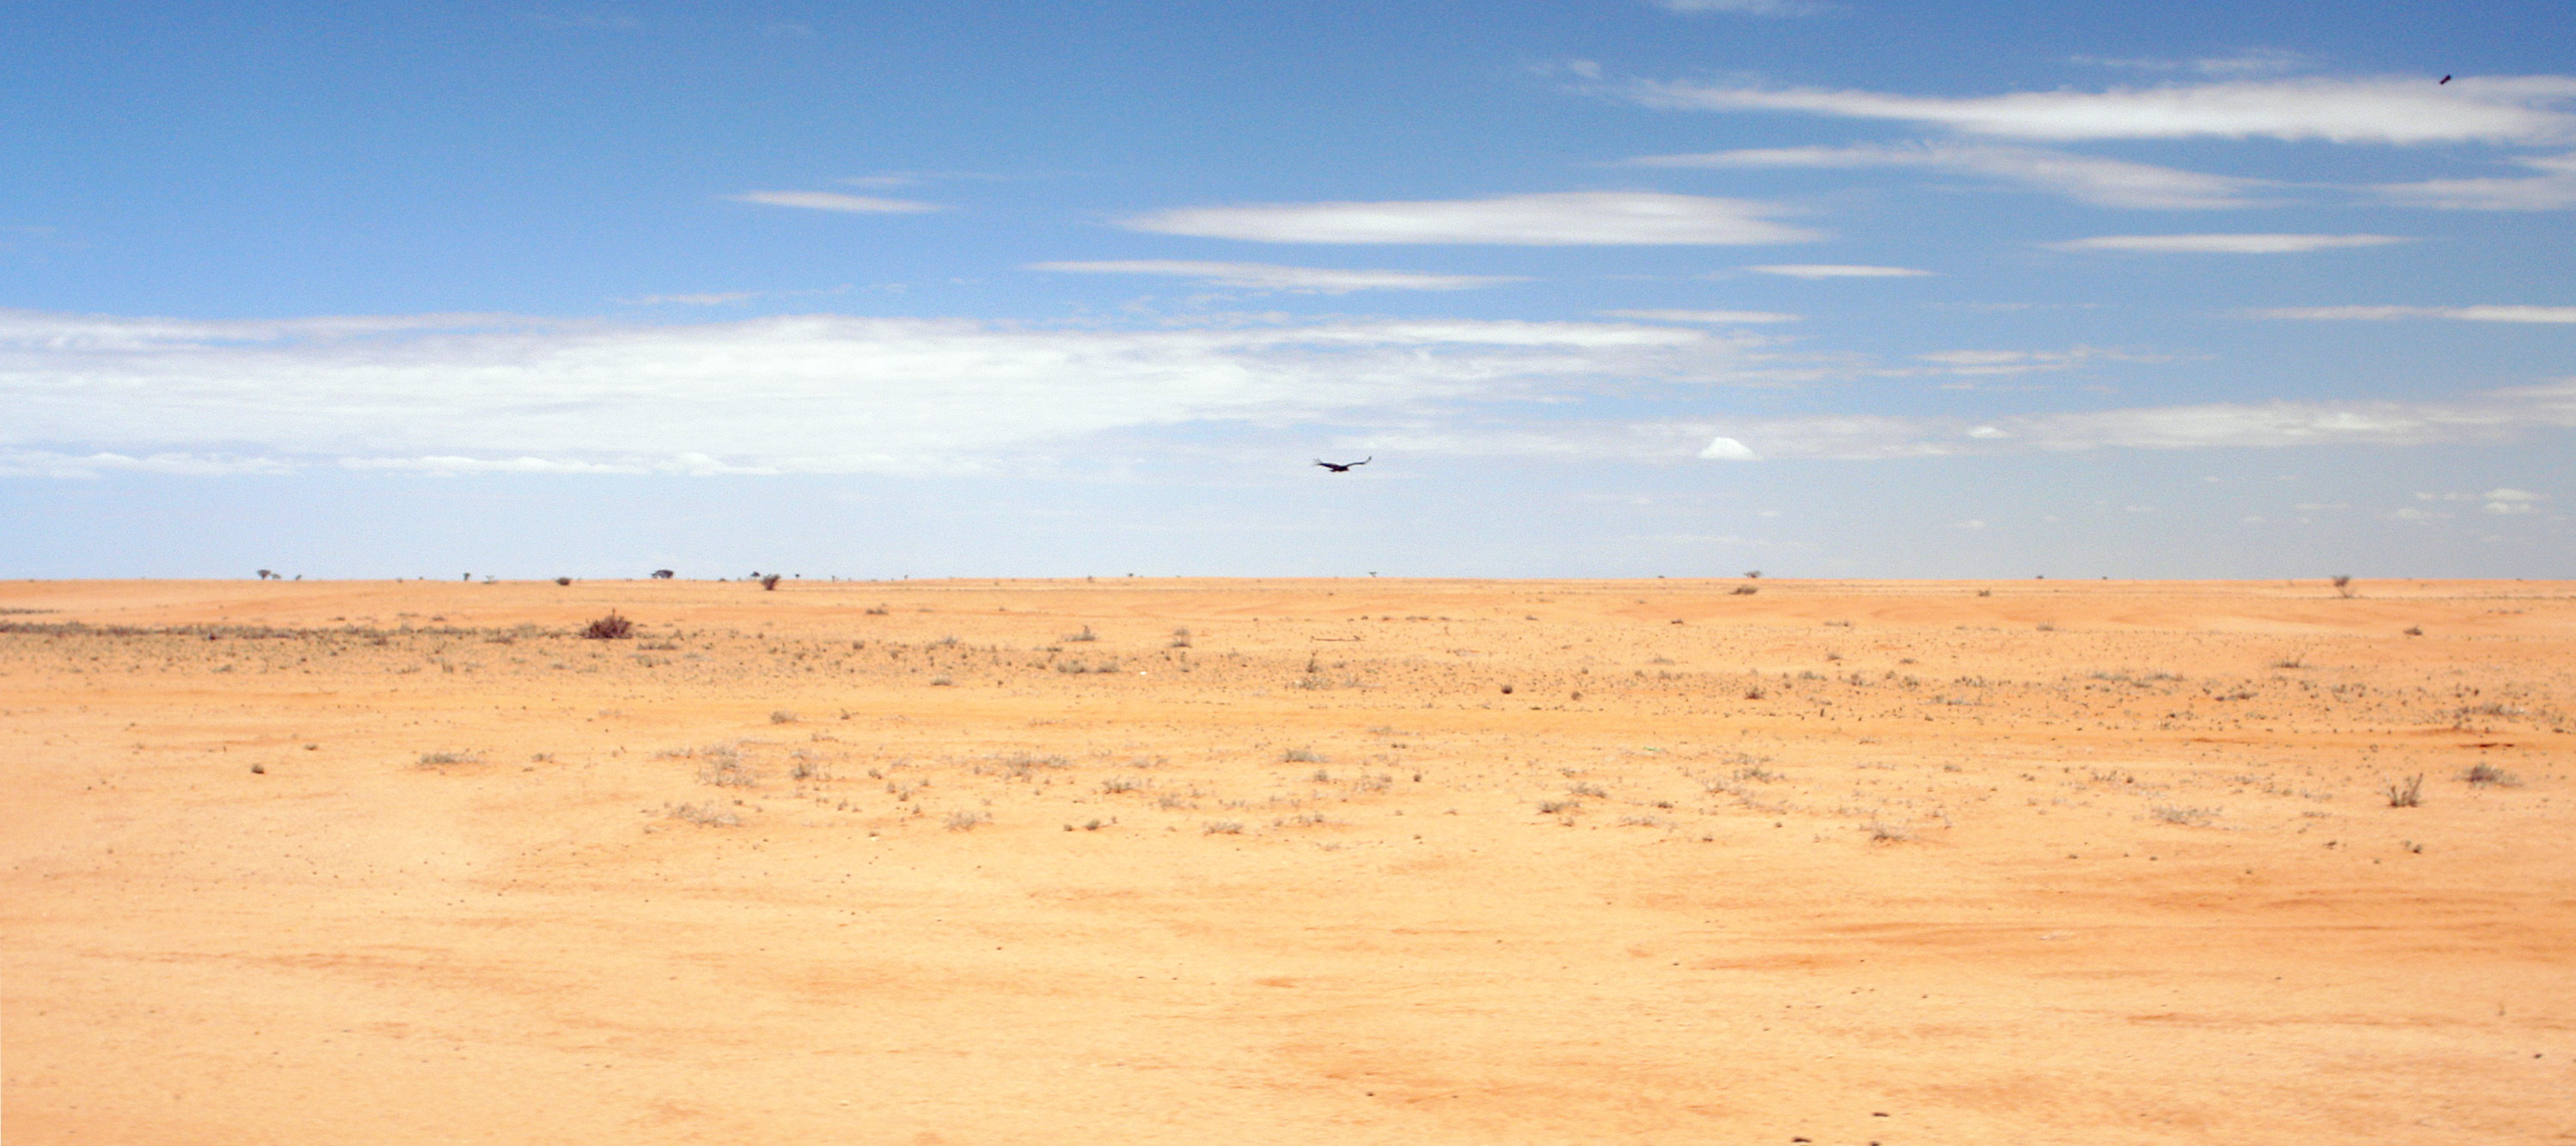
(2445, 80)
(1343, 469)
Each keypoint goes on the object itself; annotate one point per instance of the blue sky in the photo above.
(1605, 289)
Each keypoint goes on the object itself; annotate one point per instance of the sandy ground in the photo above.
(1288, 861)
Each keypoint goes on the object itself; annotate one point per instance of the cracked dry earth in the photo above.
(1366, 861)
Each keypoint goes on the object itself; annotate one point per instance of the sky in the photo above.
(1617, 288)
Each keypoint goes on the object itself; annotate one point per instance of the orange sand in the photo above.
(1849, 862)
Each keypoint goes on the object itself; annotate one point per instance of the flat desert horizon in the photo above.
(1287, 860)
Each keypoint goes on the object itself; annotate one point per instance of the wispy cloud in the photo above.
(1266, 276)
(2225, 244)
(2392, 313)
(2503, 501)
(2386, 110)
(836, 201)
(1745, 7)
(1716, 317)
(1837, 271)
(2103, 182)
(816, 393)
(2248, 62)
(2554, 189)
(1581, 218)
(2492, 416)
(1974, 363)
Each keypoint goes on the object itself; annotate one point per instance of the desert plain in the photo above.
(1310, 861)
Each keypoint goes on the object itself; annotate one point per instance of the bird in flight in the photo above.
(1346, 468)
(2445, 80)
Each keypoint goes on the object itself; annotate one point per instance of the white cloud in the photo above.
(815, 393)
(1745, 7)
(1567, 219)
(2489, 313)
(2248, 62)
(1265, 276)
(2494, 415)
(2225, 244)
(1837, 271)
(2085, 178)
(1972, 363)
(2389, 110)
(836, 201)
(1729, 450)
(1720, 317)
(712, 298)
(2554, 189)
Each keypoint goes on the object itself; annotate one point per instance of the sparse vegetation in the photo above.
(1302, 756)
(1743, 591)
(563, 580)
(2343, 584)
(2407, 793)
(707, 815)
(609, 628)
(781, 716)
(1221, 828)
(964, 820)
(2177, 814)
(434, 759)
(1075, 638)
(769, 582)
(2490, 774)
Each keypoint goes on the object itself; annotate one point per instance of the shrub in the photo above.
(433, 759)
(1742, 591)
(1221, 828)
(2408, 793)
(1085, 635)
(781, 716)
(609, 628)
(2490, 774)
(963, 821)
(770, 582)
(563, 580)
(706, 815)
(2343, 584)
(1301, 756)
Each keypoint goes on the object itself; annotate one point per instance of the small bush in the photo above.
(1559, 807)
(563, 580)
(609, 628)
(706, 815)
(770, 582)
(2490, 774)
(1742, 591)
(781, 716)
(2177, 814)
(1085, 635)
(1221, 828)
(1880, 833)
(2414, 630)
(1181, 637)
(2343, 584)
(963, 821)
(2408, 793)
(434, 759)
(1302, 756)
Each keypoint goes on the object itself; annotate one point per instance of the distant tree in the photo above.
(663, 574)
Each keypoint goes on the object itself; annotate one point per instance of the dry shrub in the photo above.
(609, 628)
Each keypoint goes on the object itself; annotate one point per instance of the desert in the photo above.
(1233, 860)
